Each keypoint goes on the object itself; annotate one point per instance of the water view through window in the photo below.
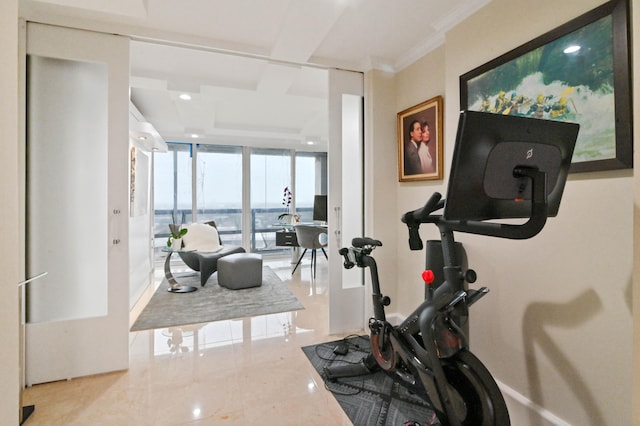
(220, 182)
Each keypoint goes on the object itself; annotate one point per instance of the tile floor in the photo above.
(240, 372)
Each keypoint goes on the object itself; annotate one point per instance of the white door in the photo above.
(346, 195)
(77, 203)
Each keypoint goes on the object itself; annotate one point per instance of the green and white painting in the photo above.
(570, 78)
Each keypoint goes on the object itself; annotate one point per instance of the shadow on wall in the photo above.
(537, 318)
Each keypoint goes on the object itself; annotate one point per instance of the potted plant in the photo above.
(176, 232)
(287, 217)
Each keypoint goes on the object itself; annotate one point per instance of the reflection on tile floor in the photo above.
(249, 371)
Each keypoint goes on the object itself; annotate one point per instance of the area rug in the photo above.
(372, 399)
(215, 303)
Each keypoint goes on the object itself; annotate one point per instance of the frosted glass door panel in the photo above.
(352, 214)
(67, 189)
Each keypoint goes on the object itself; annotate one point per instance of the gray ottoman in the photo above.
(240, 270)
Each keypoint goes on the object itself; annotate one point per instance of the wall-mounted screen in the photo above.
(489, 147)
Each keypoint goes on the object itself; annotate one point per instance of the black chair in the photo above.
(311, 237)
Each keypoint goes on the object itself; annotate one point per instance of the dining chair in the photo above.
(312, 238)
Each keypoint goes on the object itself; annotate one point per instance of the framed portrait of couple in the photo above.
(420, 141)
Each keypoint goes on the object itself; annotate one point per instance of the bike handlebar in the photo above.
(537, 217)
(348, 263)
(360, 247)
(415, 217)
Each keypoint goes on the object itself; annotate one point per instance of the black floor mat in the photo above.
(371, 399)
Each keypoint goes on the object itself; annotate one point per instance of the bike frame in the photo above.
(432, 332)
(414, 341)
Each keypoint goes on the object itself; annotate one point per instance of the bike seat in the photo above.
(363, 242)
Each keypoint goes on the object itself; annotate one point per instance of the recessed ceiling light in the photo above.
(142, 138)
(572, 49)
(310, 143)
(195, 135)
(185, 96)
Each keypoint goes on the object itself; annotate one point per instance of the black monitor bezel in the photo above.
(478, 135)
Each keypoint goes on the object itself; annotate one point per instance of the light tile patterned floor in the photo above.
(240, 372)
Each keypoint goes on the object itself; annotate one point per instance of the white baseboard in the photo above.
(520, 413)
(520, 407)
(141, 302)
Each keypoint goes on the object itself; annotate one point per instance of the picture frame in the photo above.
(588, 84)
(132, 179)
(423, 160)
(139, 166)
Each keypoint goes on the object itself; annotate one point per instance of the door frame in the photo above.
(346, 287)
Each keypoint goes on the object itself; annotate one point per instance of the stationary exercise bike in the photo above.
(518, 171)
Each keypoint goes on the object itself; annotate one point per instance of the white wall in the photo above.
(381, 177)
(423, 80)
(556, 326)
(9, 225)
(140, 229)
(635, 7)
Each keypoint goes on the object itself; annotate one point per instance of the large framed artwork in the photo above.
(578, 72)
(420, 141)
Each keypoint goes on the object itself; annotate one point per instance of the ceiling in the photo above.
(255, 69)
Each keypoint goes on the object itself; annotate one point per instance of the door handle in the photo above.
(338, 225)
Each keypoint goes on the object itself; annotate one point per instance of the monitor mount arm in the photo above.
(530, 228)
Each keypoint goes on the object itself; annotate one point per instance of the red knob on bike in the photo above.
(428, 276)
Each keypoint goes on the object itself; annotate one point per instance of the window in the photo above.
(219, 189)
(311, 180)
(218, 177)
(171, 188)
(270, 175)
